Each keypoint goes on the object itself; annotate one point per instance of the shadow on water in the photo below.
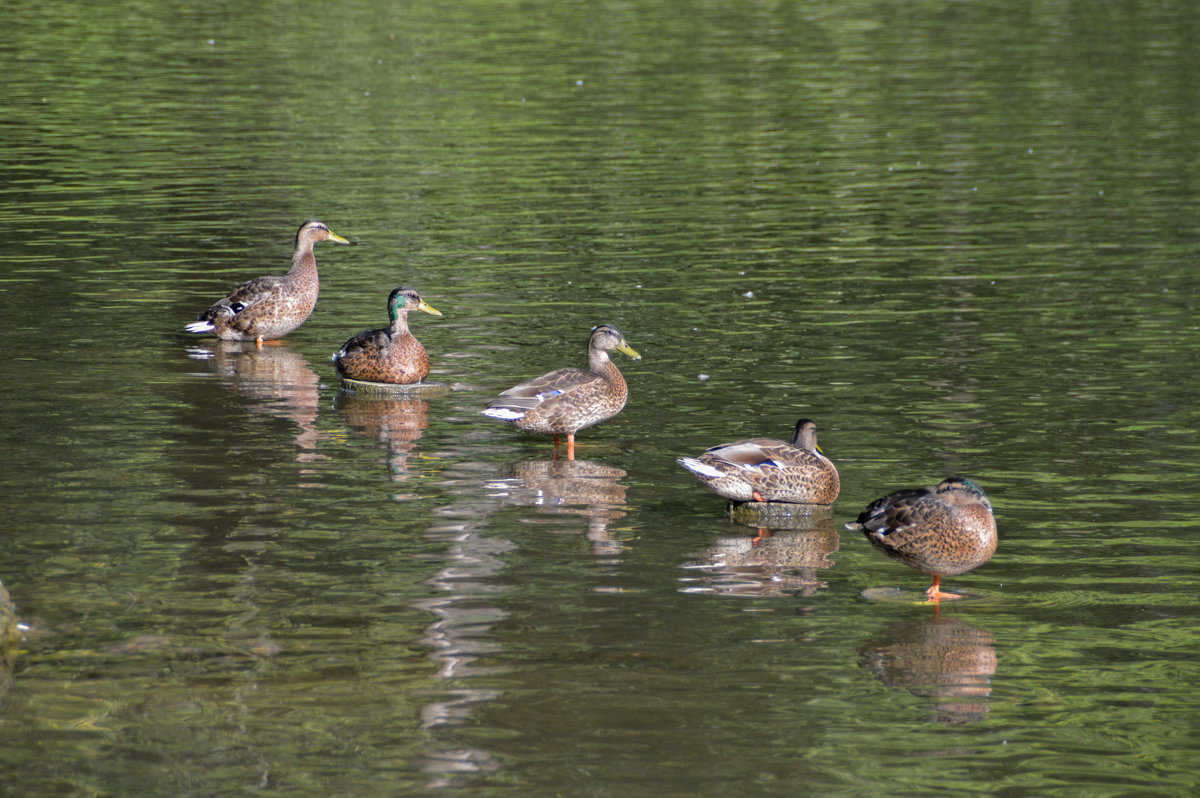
(937, 657)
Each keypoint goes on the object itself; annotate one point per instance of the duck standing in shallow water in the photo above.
(568, 400)
(769, 470)
(941, 531)
(270, 307)
(391, 355)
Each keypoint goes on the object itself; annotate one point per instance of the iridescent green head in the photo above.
(405, 299)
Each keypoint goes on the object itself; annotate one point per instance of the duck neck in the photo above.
(304, 261)
(399, 325)
(805, 438)
(599, 363)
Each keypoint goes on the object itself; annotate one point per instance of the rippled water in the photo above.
(960, 237)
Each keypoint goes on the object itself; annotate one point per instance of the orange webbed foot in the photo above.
(934, 592)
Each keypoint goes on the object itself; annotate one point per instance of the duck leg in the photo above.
(934, 592)
(570, 445)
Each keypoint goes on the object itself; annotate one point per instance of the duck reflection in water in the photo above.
(937, 657)
(396, 423)
(277, 377)
(570, 488)
(758, 561)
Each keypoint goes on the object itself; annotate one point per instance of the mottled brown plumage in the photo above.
(392, 354)
(270, 307)
(769, 470)
(568, 400)
(944, 530)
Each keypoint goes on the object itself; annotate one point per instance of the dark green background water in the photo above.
(961, 236)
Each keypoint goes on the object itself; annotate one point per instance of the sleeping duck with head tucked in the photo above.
(944, 530)
(769, 470)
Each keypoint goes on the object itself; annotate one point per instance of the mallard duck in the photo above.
(767, 470)
(270, 307)
(944, 530)
(568, 400)
(391, 355)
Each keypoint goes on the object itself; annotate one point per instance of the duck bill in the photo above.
(626, 349)
(425, 306)
(335, 237)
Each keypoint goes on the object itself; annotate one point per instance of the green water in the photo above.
(961, 237)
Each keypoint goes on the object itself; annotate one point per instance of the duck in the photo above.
(270, 307)
(944, 530)
(769, 470)
(391, 354)
(567, 400)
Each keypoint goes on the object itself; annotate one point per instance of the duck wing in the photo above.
(245, 296)
(532, 393)
(887, 519)
(367, 342)
(755, 453)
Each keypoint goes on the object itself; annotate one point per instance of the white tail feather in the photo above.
(200, 327)
(503, 413)
(698, 468)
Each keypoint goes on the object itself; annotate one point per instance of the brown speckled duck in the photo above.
(270, 307)
(568, 400)
(768, 470)
(944, 530)
(392, 355)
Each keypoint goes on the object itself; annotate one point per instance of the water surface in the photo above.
(960, 238)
